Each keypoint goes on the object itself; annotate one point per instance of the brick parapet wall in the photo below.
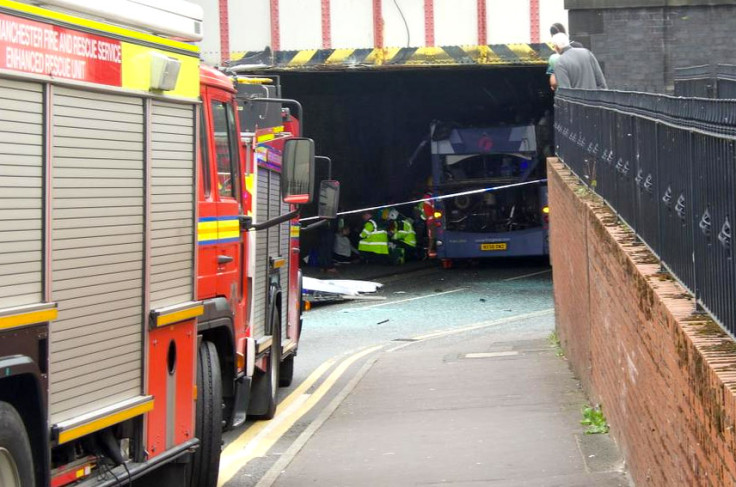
(666, 377)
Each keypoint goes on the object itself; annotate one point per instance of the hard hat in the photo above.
(393, 214)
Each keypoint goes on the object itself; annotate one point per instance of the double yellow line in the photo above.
(261, 436)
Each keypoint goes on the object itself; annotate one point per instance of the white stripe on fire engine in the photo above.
(260, 437)
(434, 198)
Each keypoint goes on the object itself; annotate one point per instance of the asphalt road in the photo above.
(338, 337)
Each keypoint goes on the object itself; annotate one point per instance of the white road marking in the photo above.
(485, 324)
(408, 299)
(527, 275)
(490, 354)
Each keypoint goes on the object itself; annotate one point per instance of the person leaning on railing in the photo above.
(556, 28)
(576, 67)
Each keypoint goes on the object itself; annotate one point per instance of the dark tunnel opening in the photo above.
(371, 123)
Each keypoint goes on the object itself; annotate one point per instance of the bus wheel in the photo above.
(265, 384)
(208, 419)
(16, 461)
(286, 373)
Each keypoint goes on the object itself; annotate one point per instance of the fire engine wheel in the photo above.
(286, 372)
(266, 383)
(208, 420)
(16, 460)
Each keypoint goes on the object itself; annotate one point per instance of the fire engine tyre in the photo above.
(208, 420)
(286, 373)
(16, 460)
(266, 383)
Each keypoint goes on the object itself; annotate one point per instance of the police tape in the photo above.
(434, 198)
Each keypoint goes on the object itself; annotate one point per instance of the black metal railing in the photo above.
(667, 166)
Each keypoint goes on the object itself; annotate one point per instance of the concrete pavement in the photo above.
(469, 409)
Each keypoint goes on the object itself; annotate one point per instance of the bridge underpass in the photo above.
(634, 334)
(371, 119)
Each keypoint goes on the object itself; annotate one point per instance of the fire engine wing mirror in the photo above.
(297, 171)
(329, 197)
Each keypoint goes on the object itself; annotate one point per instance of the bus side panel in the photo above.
(464, 245)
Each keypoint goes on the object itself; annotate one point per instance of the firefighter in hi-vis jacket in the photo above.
(373, 245)
(404, 235)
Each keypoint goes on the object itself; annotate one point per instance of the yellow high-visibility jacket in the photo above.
(406, 234)
(373, 239)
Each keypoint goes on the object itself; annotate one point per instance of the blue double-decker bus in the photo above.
(488, 205)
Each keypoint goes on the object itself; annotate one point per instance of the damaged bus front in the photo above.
(492, 195)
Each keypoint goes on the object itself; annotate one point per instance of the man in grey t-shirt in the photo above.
(576, 67)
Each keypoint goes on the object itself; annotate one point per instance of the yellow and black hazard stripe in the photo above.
(492, 55)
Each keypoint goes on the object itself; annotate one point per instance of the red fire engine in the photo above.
(248, 265)
(135, 300)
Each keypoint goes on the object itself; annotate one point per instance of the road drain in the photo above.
(404, 340)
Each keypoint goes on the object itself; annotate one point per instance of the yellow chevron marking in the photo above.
(526, 54)
(340, 56)
(482, 55)
(302, 57)
(430, 55)
(237, 55)
(382, 56)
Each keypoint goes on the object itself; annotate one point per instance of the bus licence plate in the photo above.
(493, 246)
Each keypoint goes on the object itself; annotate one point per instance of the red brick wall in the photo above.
(666, 378)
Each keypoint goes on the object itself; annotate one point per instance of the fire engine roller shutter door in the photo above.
(278, 240)
(261, 258)
(267, 243)
(172, 204)
(97, 243)
(21, 193)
